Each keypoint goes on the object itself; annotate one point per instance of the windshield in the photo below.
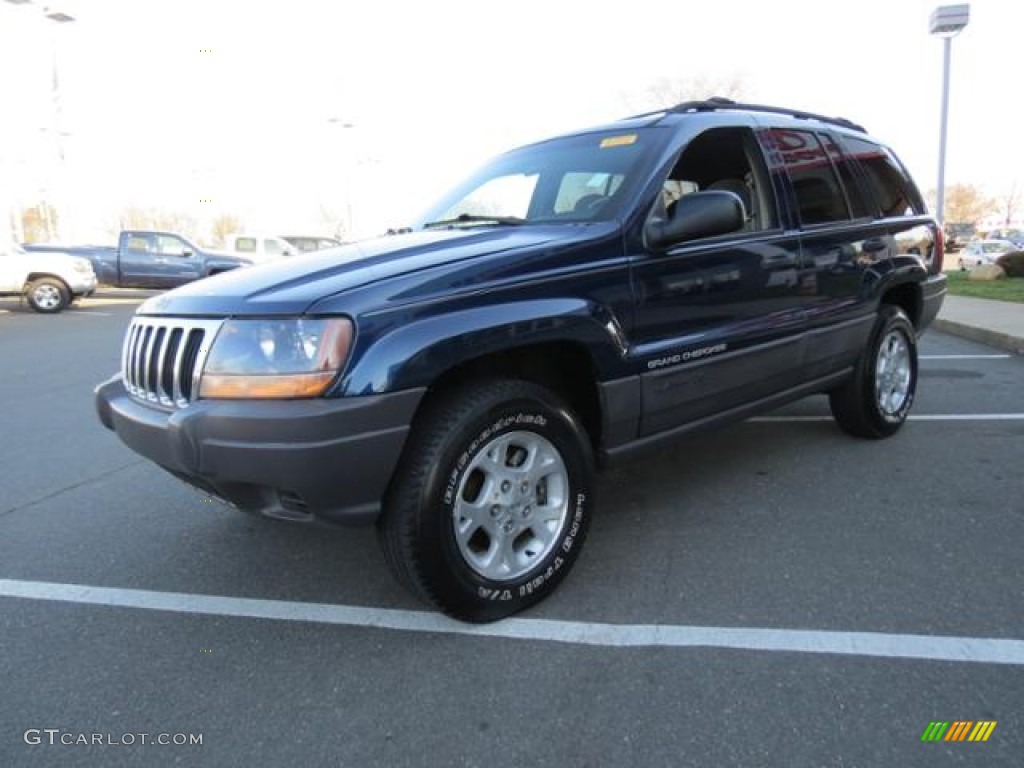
(578, 178)
(996, 246)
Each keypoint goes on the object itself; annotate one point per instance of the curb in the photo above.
(997, 339)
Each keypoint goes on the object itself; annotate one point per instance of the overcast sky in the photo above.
(169, 102)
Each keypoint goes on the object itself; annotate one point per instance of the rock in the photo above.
(986, 272)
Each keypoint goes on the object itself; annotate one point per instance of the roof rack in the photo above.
(717, 102)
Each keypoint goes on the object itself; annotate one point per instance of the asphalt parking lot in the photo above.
(774, 594)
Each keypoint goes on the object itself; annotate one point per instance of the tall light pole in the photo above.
(58, 15)
(347, 171)
(947, 21)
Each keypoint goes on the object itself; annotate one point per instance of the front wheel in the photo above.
(876, 400)
(48, 295)
(491, 502)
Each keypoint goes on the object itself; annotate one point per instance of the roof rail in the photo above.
(717, 102)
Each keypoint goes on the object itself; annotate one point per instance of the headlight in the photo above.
(82, 265)
(279, 358)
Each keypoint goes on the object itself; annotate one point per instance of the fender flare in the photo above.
(417, 353)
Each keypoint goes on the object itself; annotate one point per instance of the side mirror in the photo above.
(186, 254)
(699, 214)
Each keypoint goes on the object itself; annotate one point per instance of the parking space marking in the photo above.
(963, 357)
(912, 417)
(901, 646)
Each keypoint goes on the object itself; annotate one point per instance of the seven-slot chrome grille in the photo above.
(163, 358)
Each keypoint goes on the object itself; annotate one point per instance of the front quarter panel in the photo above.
(555, 284)
(214, 265)
(389, 358)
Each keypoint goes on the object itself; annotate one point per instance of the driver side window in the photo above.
(170, 246)
(723, 159)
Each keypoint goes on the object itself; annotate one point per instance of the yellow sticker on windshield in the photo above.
(618, 141)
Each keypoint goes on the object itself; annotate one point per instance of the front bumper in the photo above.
(83, 285)
(299, 459)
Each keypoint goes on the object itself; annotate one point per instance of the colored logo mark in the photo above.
(958, 730)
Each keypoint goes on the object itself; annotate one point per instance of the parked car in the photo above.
(1015, 236)
(147, 259)
(48, 281)
(958, 233)
(979, 252)
(306, 243)
(573, 303)
(261, 248)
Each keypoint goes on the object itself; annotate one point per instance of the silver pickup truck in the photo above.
(48, 281)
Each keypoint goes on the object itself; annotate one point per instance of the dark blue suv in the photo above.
(573, 303)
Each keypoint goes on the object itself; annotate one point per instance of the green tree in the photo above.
(965, 203)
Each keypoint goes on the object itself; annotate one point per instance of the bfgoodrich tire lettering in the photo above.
(875, 402)
(491, 502)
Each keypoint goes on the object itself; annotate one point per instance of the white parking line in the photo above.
(912, 417)
(928, 647)
(963, 357)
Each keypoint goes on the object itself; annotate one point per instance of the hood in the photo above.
(213, 253)
(290, 286)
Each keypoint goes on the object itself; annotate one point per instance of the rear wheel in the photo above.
(876, 400)
(48, 295)
(492, 500)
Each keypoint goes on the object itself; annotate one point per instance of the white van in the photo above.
(261, 248)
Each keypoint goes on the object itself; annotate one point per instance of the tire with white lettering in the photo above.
(491, 501)
(876, 400)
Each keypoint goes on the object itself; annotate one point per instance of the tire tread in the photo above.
(398, 528)
(851, 404)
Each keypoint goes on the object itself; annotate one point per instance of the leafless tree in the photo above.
(668, 91)
(1008, 204)
(39, 223)
(334, 219)
(224, 225)
(157, 219)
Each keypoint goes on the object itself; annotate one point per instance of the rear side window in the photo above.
(245, 244)
(860, 205)
(889, 183)
(819, 196)
(139, 243)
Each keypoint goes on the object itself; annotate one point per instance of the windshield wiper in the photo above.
(472, 218)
